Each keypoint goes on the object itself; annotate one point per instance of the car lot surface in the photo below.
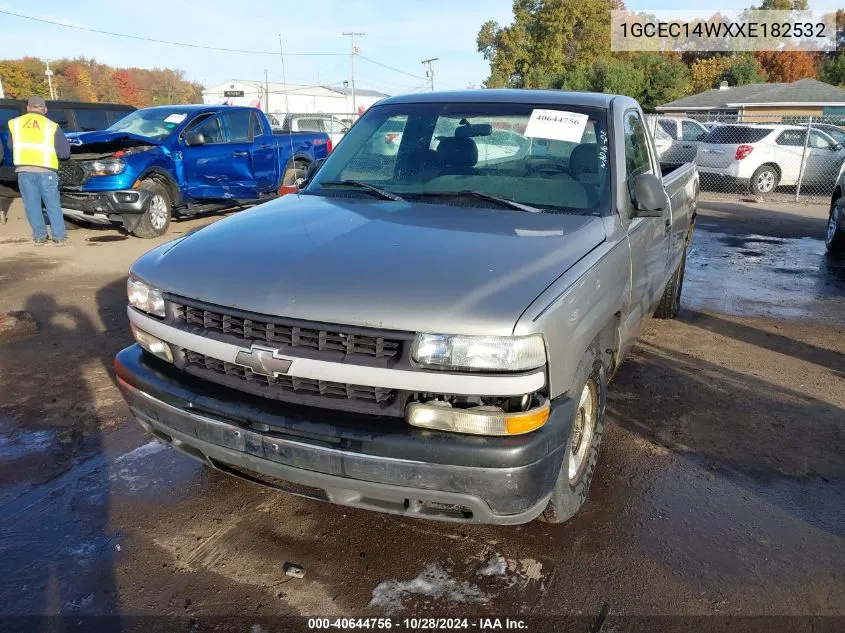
(720, 488)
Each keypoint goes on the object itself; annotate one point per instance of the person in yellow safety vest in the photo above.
(37, 146)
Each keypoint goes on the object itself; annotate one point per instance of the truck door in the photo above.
(265, 165)
(649, 237)
(692, 133)
(221, 167)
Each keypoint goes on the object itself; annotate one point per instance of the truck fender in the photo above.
(165, 178)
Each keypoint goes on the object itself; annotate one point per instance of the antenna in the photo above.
(287, 112)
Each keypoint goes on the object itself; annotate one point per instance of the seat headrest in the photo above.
(585, 159)
(457, 152)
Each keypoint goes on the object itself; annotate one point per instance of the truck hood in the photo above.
(392, 265)
(120, 140)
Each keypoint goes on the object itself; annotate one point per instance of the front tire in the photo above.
(764, 180)
(582, 445)
(834, 239)
(156, 217)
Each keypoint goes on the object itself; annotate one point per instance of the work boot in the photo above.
(41, 242)
(61, 242)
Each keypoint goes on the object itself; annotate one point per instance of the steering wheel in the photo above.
(554, 168)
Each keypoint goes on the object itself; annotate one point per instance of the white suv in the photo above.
(763, 157)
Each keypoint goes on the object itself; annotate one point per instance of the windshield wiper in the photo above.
(511, 204)
(387, 195)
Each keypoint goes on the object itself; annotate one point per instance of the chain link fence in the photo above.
(777, 157)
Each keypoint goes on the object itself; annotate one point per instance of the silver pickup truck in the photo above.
(426, 332)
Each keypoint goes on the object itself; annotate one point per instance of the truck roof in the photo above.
(198, 107)
(507, 95)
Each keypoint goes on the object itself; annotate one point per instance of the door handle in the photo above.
(240, 154)
(265, 146)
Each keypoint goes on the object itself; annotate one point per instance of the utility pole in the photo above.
(352, 35)
(430, 71)
(266, 93)
(49, 74)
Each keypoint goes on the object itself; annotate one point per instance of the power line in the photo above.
(396, 70)
(170, 42)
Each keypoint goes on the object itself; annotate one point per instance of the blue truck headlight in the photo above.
(145, 297)
(105, 167)
(494, 353)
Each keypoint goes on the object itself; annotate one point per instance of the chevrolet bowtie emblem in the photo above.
(263, 360)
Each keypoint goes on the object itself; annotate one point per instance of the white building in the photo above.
(279, 98)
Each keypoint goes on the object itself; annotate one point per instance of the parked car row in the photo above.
(753, 157)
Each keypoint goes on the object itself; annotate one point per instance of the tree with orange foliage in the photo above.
(127, 89)
(788, 66)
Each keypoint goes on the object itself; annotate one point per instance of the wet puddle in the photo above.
(759, 275)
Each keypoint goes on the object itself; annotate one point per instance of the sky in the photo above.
(398, 33)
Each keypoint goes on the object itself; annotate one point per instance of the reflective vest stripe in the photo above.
(39, 147)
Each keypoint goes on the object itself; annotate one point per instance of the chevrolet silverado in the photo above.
(428, 332)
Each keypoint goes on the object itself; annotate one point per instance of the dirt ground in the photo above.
(720, 489)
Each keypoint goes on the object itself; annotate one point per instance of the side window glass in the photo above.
(60, 117)
(211, 129)
(818, 141)
(793, 138)
(88, 120)
(692, 131)
(636, 148)
(257, 128)
(309, 125)
(670, 127)
(236, 126)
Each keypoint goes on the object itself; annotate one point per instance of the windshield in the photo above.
(153, 123)
(550, 157)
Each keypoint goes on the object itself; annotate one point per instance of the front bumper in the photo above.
(377, 463)
(129, 201)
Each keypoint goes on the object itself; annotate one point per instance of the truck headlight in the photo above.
(144, 297)
(494, 353)
(105, 167)
(152, 344)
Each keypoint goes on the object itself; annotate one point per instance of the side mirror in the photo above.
(649, 197)
(313, 168)
(194, 138)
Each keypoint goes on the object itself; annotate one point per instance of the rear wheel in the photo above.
(582, 446)
(294, 173)
(155, 220)
(765, 179)
(834, 238)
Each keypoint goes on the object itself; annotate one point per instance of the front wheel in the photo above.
(834, 238)
(155, 220)
(582, 446)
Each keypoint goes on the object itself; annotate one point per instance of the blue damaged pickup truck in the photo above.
(168, 161)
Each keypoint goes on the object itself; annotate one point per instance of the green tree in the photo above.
(833, 70)
(548, 39)
(783, 5)
(744, 70)
(666, 79)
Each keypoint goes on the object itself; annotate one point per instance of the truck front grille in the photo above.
(71, 173)
(210, 368)
(260, 328)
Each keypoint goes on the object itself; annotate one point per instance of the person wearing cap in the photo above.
(37, 146)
